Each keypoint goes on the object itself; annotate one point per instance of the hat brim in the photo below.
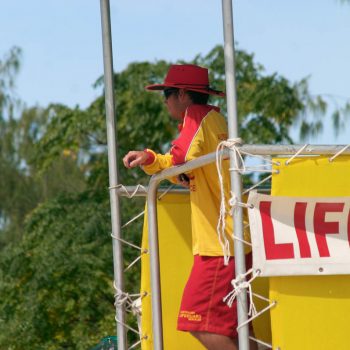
(204, 90)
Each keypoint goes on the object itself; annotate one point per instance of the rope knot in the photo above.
(239, 285)
(231, 144)
(121, 297)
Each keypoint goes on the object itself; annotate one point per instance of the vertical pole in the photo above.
(236, 181)
(112, 165)
(157, 325)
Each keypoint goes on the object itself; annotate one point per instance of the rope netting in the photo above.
(132, 302)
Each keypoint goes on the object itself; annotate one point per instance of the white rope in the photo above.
(137, 343)
(166, 191)
(238, 160)
(261, 342)
(241, 240)
(144, 251)
(120, 298)
(126, 242)
(137, 306)
(234, 202)
(261, 297)
(128, 194)
(266, 159)
(129, 301)
(143, 212)
(133, 304)
(296, 154)
(231, 144)
(127, 326)
(257, 315)
(257, 184)
(142, 295)
(133, 219)
(261, 168)
(240, 284)
(339, 153)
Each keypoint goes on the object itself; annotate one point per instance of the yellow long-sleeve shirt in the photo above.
(202, 130)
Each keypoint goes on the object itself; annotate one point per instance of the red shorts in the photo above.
(202, 307)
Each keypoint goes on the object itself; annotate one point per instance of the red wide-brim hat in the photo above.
(187, 76)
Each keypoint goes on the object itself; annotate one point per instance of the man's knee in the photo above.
(214, 341)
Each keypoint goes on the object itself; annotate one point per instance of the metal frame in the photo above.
(153, 228)
(152, 190)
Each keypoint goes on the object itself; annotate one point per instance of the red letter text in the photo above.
(321, 227)
(299, 222)
(273, 250)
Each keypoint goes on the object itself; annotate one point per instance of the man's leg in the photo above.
(216, 341)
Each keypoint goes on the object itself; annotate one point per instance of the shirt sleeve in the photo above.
(160, 162)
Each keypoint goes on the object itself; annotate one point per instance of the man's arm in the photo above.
(152, 163)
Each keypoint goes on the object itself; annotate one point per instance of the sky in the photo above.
(62, 43)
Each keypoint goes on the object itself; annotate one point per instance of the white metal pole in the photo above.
(113, 166)
(156, 297)
(236, 181)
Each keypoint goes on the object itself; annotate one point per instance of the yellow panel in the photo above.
(175, 246)
(262, 324)
(174, 225)
(312, 311)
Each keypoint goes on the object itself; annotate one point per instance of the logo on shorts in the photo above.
(190, 315)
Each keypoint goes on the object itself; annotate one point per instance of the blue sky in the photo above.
(62, 53)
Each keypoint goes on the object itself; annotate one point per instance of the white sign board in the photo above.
(300, 235)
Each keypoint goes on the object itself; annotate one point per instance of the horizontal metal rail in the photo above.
(142, 192)
(280, 150)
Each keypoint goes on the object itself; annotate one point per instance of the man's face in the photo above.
(176, 102)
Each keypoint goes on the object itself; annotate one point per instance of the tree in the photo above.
(268, 105)
(21, 186)
(56, 284)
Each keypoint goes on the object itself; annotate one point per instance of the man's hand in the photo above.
(135, 158)
(184, 180)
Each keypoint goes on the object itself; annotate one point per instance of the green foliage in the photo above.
(268, 105)
(56, 284)
(9, 67)
(21, 188)
(141, 122)
(340, 117)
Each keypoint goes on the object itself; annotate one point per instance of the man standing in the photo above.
(203, 313)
